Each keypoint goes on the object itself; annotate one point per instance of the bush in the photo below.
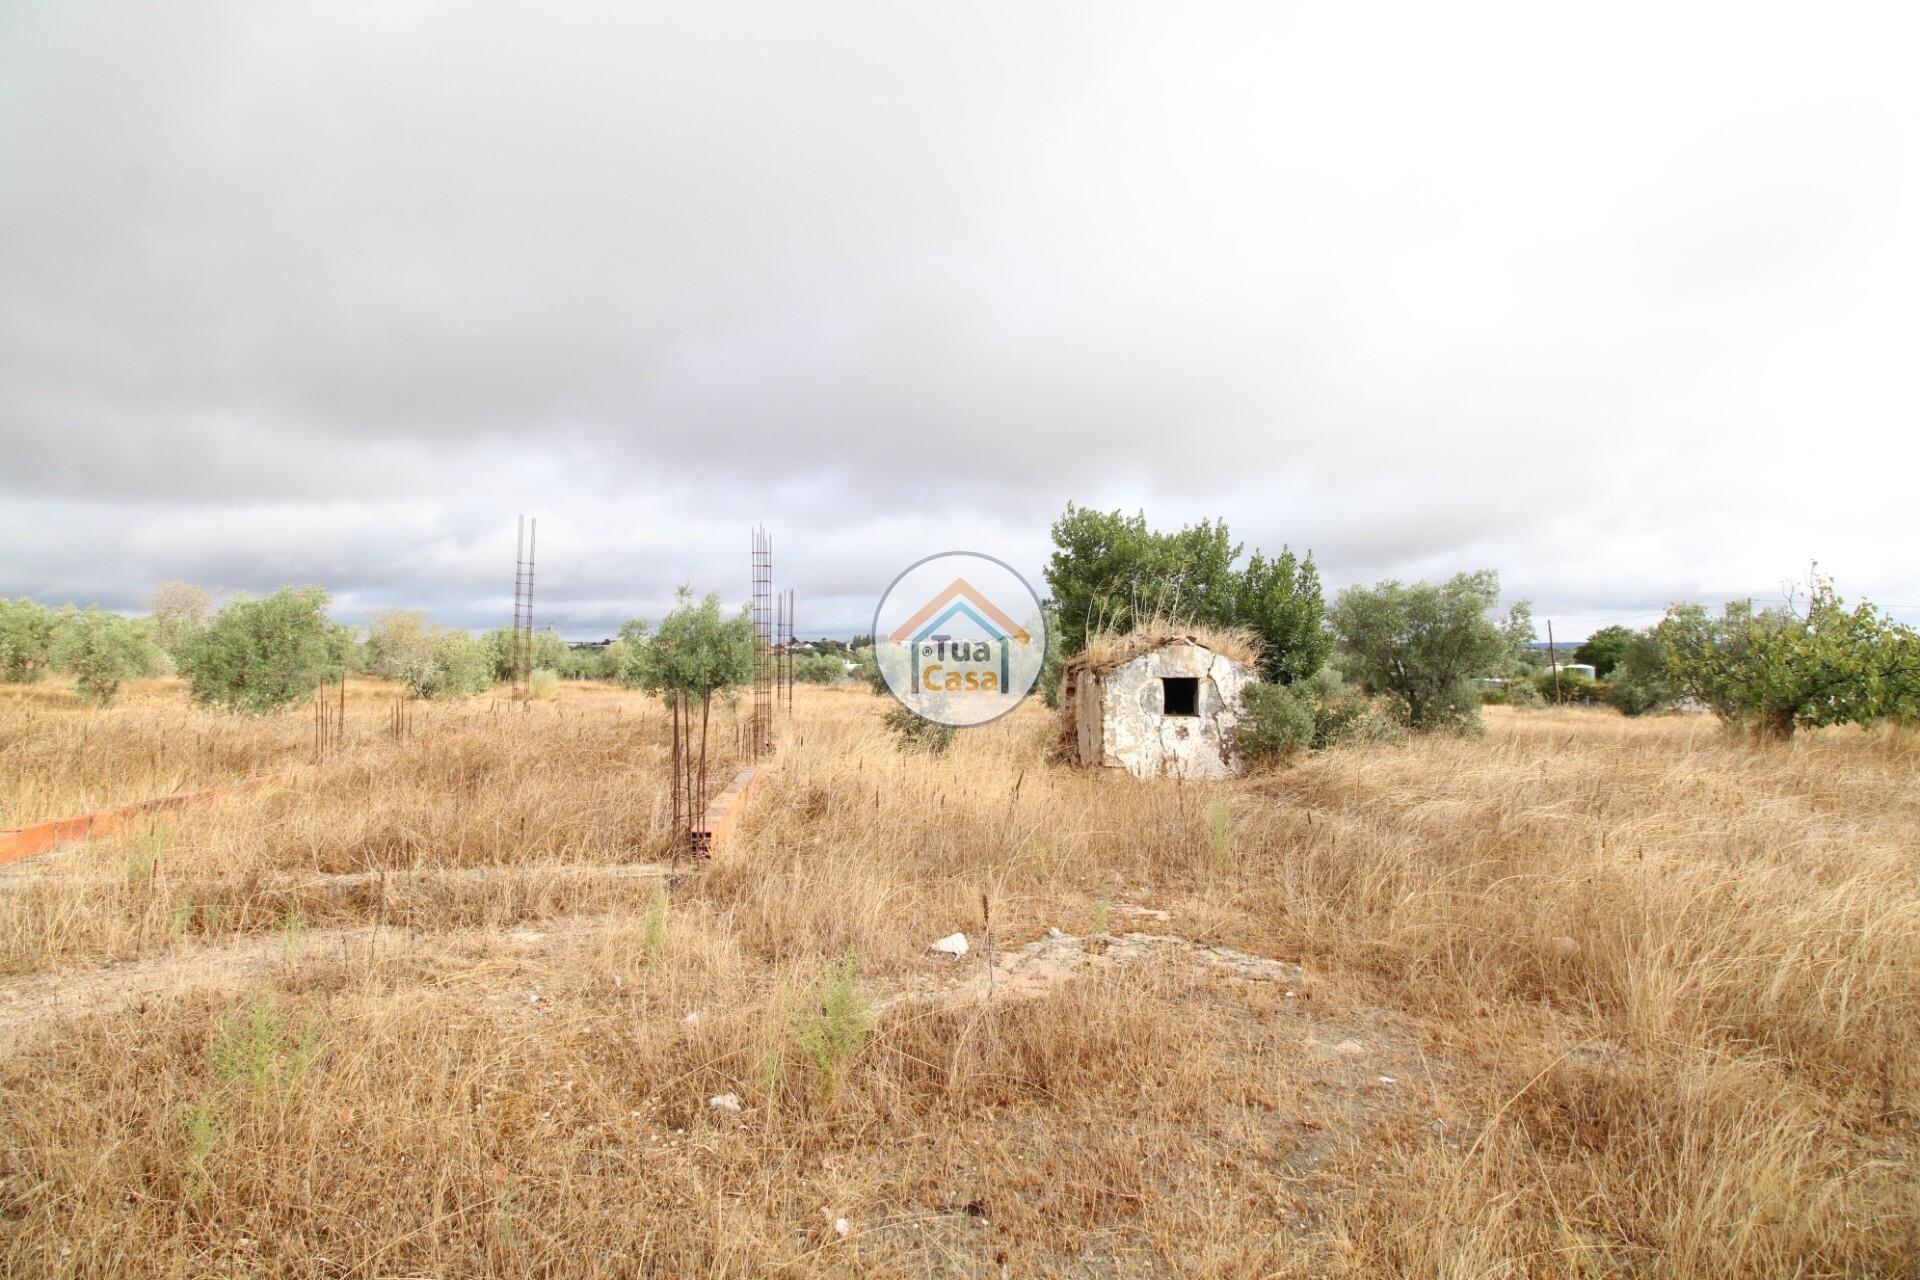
(819, 668)
(259, 655)
(543, 684)
(1573, 689)
(26, 641)
(1275, 724)
(102, 649)
(917, 733)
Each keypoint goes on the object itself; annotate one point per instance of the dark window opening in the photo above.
(1180, 695)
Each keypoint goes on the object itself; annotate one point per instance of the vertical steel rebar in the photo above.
(520, 650)
(763, 640)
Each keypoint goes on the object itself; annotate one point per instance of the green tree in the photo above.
(697, 653)
(1603, 649)
(259, 655)
(1639, 681)
(1279, 600)
(432, 661)
(1110, 571)
(101, 649)
(26, 640)
(1421, 645)
(1773, 671)
(627, 655)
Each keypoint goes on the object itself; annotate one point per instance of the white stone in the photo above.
(841, 1226)
(954, 944)
(1350, 1049)
(725, 1102)
(691, 1020)
(1565, 946)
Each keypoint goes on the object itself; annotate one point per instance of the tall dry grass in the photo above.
(1592, 996)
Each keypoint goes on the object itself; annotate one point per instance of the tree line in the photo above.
(1382, 659)
(1422, 651)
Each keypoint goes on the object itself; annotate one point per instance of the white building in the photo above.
(1156, 706)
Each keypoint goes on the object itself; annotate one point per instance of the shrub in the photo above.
(102, 649)
(820, 668)
(1521, 693)
(868, 668)
(917, 733)
(1573, 689)
(26, 641)
(831, 1025)
(1275, 724)
(549, 650)
(432, 661)
(543, 684)
(258, 655)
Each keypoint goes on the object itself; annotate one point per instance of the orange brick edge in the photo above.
(723, 813)
(26, 842)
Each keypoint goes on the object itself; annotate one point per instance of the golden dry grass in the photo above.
(1591, 996)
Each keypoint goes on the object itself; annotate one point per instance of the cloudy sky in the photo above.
(1618, 300)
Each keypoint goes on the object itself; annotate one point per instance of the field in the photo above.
(1585, 996)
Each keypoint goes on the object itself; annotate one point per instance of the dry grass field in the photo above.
(1582, 997)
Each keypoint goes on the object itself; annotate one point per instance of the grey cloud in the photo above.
(324, 293)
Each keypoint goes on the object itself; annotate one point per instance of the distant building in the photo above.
(1156, 706)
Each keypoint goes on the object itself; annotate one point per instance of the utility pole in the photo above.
(1554, 658)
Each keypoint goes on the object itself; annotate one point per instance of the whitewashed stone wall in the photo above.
(1119, 721)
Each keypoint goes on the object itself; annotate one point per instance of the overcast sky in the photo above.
(1618, 300)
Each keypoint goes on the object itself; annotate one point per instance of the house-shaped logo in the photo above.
(960, 638)
(925, 631)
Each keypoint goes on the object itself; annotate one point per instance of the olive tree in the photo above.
(1422, 645)
(26, 640)
(260, 655)
(432, 661)
(101, 649)
(697, 653)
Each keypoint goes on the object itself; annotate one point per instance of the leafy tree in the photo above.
(432, 661)
(1777, 670)
(1639, 681)
(1422, 644)
(259, 655)
(175, 610)
(1518, 631)
(1111, 571)
(1279, 600)
(697, 653)
(26, 640)
(1603, 649)
(101, 649)
(627, 655)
